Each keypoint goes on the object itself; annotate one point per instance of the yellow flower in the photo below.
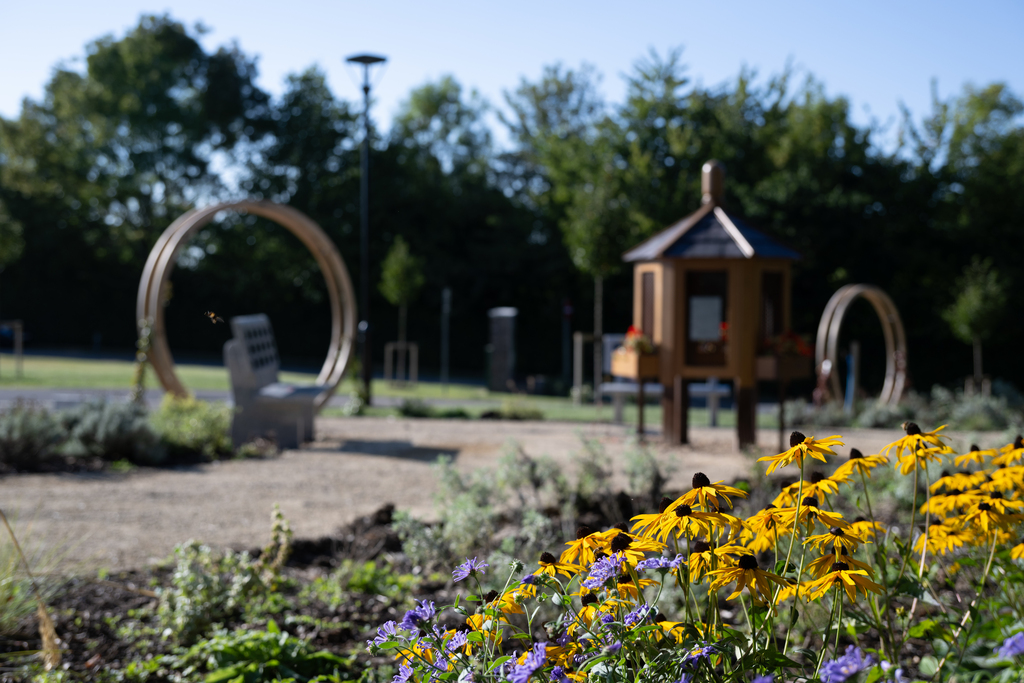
(703, 555)
(800, 447)
(615, 540)
(836, 536)
(581, 551)
(850, 580)
(817, 487)
(766, 526)
(975, 455)
(958, 481)
(746, 573)
(1017, 551)
(987, 517)
(920, 458)
(945, 505)
(943, 536)
(685, 521)
(858, 462)
(550, 565)
(706, 494)
(915, 439)
(866, 528)
(821, 566)
(1005, 479)
(810, 512)
(1010, 454)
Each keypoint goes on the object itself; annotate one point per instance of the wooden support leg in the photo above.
(675, 406)
(640, 409)
(746, 416)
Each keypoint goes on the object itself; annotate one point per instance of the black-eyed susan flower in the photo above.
(817, 486)
(708, 495)
(646, 524)
(945, 504)
(975, 456)
(765, 527)
(986, 517)
(841, 576)
(746, 573)
(1010, 454)
(581, 551)
(958, 481)
(550, 566)
(1004, 480)
(918, 459)
(866, 528)
(848, 538)
(811, 512)
(1017, 551)
(704, 556)
(800, 447)
(943, 536)
(822, 565)
(858, 464)
(686, 522)
(915, 440)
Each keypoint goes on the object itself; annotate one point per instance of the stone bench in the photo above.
(264, 407)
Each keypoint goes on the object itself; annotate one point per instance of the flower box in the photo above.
(784, 367)
(632, 365)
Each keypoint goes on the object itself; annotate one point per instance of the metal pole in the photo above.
(446, 312)
(364, 241)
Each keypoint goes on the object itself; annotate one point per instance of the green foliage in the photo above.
(980, 299)
(29, 435)
(11, 241)
(412, 407)
(206, 590)
(260, 657)
(366, 578)
(189, 426)
(401, 274)
(112, 431)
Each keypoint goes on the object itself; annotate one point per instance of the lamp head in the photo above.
(366, 60)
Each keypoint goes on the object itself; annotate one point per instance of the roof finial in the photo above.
(712, 183)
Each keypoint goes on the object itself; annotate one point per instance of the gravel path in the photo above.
(121, 521)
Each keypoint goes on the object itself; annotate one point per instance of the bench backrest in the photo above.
(253, 363)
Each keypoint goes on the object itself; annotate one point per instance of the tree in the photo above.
(975, 314)
(401, 279)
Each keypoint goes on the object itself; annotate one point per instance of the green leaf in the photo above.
(928, 666)
(272, 627)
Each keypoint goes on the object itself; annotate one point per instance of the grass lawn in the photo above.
(83, 373)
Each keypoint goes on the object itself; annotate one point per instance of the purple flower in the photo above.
(849, 664)
(404, 673)
(767, 678)
(558, 674)
(614, 648)
(602, 570)
(469, 567)
(563, 639)
(385, 633)
(607, 618)
(686, 678)
(638, 615)
(534, 660)
(897, 675)
(659, 563)
(459, 639)
(1012, 646)
(529, 580)
(425, 610)
(698, 654)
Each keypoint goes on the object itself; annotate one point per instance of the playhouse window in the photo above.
(707, 331)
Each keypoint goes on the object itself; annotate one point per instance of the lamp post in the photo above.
(364, 224)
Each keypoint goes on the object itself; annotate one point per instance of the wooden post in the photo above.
(640, 409)
(746, 415)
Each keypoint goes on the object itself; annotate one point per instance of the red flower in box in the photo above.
(637, 341)
(788, 344)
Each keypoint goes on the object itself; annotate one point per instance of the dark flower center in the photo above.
(911, 428)
(855, 454)
(984, 506)
(700, 480)
(701, 547)
(769, 506)
(796, 438)
(683, 511)
(747, 562)
(810, 501)
(489, 597)
(945, 473)
(620, 543)
(816, 477)
(599, 555)
(621, 526)
(836, 531)
(995, 495)
(583, 532)
(840, 567)
(859, 519)
(588, 600)
(1018, 442)
(547, 558)
(665, 502)
(625, 578)
(840, 549)
(975, 447)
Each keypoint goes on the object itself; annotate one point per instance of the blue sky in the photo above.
(876, 53)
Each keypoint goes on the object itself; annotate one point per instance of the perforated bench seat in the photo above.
(265, 407)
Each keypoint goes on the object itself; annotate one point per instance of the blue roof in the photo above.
(709, 232)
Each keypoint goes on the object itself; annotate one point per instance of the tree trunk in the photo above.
(401, 322)
(977, 364)
(402, 350)
(598, 331)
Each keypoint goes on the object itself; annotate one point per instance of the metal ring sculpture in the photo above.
(150, 301)
(827, 344)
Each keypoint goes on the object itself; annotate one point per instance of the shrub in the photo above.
(258, 656)
(190, 427)
(412, 407)
(112, 431)
(206, 590)
(29, 436)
